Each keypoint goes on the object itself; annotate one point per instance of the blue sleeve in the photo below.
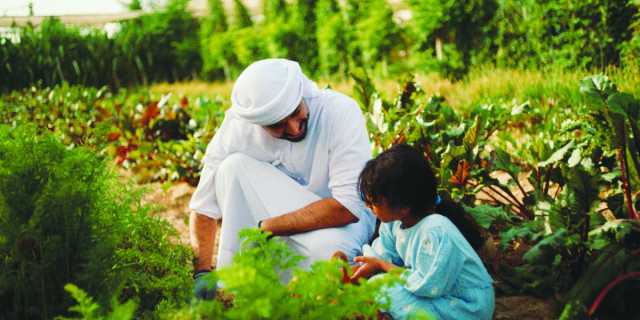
(438, 263)
(384, 246)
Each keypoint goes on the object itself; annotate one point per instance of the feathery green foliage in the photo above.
(254, 281)
(241, 16)
(65, 218)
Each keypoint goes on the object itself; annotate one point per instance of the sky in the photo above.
(61, 7)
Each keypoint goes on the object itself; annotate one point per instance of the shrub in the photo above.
(161, 46)
(64, 218)
(254, 282)
(585, 34)
(332, 41)
(54, 53)
(459, 31)
(241, 16)
(374, 35)
(213, 25)
(157, 138)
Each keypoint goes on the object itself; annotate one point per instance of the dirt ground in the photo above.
(174, 201)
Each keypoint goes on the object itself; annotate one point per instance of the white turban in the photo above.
(269, 90)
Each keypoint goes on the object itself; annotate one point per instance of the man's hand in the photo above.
(204, 287)
(369, 267)
(325, 213)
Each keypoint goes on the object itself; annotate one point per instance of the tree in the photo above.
(211, 30)
(274, 9)
(241, 16)
(331, 37)
(375, 35)
(457, 30)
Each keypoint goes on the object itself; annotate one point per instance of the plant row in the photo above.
(156, 47)
(554, 181)
(156, 137)
(330, 38)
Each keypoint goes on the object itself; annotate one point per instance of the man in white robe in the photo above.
(286, 158)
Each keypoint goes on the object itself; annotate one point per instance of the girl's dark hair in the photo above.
(403, 177)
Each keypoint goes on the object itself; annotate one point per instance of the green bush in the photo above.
(253, 288)
(254, 282)
(631, 48)
(212, 26)
(585, 34)
(54, 53)
(158, 138)
(241, 15)
(375, 35)
(332, 40)
(462, 28)
(160, 46)
(64, 217)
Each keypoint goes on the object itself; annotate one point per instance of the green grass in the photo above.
(483, 85)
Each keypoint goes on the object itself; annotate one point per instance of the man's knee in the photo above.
(234, 164)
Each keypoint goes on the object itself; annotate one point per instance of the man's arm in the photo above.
(203, 230)
(325, 213)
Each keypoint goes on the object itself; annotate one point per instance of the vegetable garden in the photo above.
(547, 161)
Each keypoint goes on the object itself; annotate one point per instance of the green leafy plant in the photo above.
(159, 46)
(159, 138)
(254, 284)
(621, 112)
(88, 309)
(65, 218)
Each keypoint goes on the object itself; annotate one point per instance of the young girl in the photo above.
(444, 275)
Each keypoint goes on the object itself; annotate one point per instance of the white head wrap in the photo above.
(269, 90)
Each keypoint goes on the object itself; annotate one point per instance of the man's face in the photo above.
(292, 128)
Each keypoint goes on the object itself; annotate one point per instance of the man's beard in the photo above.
(301, 136)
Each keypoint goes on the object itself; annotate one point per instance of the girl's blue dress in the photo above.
(444, 276)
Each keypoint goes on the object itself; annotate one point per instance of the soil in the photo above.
(523, 308)
(173, 206)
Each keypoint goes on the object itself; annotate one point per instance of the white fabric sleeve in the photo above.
(204, 199)
(349, 150)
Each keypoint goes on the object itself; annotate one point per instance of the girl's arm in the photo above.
(384, 246)
(381, 256)
(369, 267)
(438, 263)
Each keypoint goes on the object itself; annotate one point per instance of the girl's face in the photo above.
(386, 213)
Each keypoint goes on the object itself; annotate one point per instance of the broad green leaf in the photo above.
(575, 158)
(609, 177)
(624, 103)
(486, 215)
(617, 229)
(558, 155)
(502, 161)
(520, 108)
(597, 88)
(471, 137)
(457, 131)
(555, 239)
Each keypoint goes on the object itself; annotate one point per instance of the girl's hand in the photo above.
(369, 267)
